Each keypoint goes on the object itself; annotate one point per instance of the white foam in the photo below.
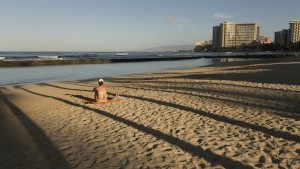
(122, 54)
(48, 57)
(2, 58)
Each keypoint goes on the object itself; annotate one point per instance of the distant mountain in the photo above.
(173, 48)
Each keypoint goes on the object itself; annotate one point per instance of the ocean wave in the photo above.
(2, 58)
(122, 54)
(48, 57)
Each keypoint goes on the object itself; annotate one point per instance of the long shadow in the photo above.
(278, 74)
(208, 155)
(255, 95)
(51, 154)
(87, 100)
(46, 84)
(278, 134)
(78, 84)
(291, 115)
(80, 97)
(236, 85)
(231, 92)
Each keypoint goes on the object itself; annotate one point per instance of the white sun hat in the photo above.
(101, 80)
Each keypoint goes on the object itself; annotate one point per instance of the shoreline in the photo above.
(42, 74)
(225, 115)
(28, 63)
(88, 61)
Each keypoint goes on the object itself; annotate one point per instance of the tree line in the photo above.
(254, 46)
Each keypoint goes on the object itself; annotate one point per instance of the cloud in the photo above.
(222, 16)
(170, 18)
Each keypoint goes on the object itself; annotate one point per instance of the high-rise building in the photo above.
(216, 40)
(282, 38)
(294, 33)
(230, 34)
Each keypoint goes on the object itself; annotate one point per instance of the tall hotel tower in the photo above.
(294, 31)
(234, 34)
(282, 38)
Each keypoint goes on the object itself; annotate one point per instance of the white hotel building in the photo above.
(230, 34)
(294, 33)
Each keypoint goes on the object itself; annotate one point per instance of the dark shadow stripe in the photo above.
(51, 154)
(292, 115)
(219, 92)
(64, 88)
(216, 83)
(208, 155)
(278, 134)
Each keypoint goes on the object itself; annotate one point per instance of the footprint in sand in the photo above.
(262, 159)
(259, 165)
(298, 151)
(86, 121)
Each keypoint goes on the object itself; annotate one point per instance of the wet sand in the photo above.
(229, 115)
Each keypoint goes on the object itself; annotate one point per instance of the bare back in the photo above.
(101, 92)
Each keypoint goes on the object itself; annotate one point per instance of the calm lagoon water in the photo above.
(41, 74)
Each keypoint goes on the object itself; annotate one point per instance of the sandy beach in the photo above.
(228, 115)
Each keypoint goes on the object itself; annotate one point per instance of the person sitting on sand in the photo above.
(100, 92)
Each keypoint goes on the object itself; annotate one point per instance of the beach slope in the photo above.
(230, 115)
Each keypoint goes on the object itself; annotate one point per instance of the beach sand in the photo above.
(229, 115)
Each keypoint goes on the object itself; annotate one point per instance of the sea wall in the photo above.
(4, 63)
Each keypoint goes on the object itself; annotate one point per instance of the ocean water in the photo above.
(25, 56)
(41, 74)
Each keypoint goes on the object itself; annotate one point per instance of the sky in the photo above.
(128, 25)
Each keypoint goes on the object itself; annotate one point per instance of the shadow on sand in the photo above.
(208, 155)
(51, 154)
